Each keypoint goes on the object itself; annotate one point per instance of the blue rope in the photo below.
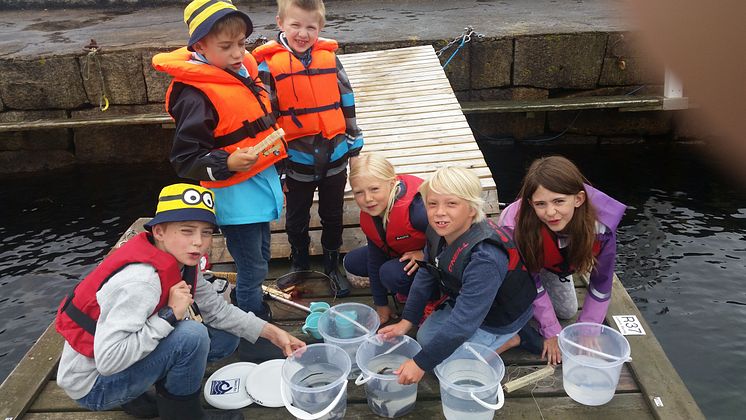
(463, 41)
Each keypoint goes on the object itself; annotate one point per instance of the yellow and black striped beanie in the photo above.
(201, 15)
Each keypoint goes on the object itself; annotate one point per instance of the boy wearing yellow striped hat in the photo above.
(130, 323)
(227, 139)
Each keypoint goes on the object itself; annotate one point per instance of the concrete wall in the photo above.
(522, 67)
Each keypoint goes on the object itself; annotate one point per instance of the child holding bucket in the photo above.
(562, 226)
(393, 218)
(476, 265)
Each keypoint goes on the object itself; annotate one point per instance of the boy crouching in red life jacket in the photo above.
(476, 265)
(227, 139)
(145, 316)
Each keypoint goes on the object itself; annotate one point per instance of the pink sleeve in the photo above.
(544, 314)
(507, 216)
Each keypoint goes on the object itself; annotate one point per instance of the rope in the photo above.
(92, 50)
(515, 372)
(461, 40)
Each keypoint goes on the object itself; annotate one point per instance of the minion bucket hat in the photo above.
(184, 203)
(201, 15)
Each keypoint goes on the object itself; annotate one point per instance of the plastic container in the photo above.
(470, 383)
(378, 359)
(592, 359)
(314, 382)
(347, 325)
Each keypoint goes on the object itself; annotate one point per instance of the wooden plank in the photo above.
(562, 104)
(656, 375)
(31, 374)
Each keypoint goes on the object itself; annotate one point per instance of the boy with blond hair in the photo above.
(130, 323)
(313, 99)
(223, 120)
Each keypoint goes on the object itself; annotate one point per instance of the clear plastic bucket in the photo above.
(347, 325)
(470, 383)
(592, 358)
(314, 382)
(378, 359)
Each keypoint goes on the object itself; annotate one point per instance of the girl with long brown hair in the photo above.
(562, 226)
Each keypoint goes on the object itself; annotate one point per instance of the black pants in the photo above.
(331, 208)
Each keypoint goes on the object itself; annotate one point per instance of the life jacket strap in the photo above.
(248, 129)
(306, 72)
(294, 112)
(79, 317)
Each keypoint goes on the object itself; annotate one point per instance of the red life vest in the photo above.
(554, 260)
(242, 104)
(79, 311)
(308, 97)
(447, 264)
(399, 236)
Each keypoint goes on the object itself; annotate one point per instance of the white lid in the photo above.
(263, 383)
(226, 389)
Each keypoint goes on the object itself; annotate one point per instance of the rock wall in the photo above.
(517, 68)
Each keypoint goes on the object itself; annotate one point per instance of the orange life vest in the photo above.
(242, 104)
(308, 97)
(79, 311)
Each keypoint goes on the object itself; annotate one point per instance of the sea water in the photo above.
(457, 408)
(312, 400)
(389, 398)
(588, 385)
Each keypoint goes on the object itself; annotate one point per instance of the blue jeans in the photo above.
(179, 360)
(249, 247)
(436, 322)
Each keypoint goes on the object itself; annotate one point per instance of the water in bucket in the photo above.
(378, 359)
(347, 325)
(592, 359)
(314, 382)
(470, 383)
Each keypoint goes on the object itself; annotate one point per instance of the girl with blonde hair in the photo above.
(488, 293)
(393, 218)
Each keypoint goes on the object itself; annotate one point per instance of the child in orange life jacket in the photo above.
(222, 111)
(476, 265)
(313, 99)
(562, 226)
(393, 218)
(126, 325)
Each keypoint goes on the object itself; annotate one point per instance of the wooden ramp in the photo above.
(409, 114)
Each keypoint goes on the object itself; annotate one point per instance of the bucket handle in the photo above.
(500, 400)
(599, 353)
(304, 415)
(361, 379)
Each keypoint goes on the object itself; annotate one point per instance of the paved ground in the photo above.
(46, 32)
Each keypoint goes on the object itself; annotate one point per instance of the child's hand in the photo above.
(551, 351)
(281, 338)
(395, 330)
(179, 299)
(409, 373)
(413, 257)
(384, 313)
(242, 160)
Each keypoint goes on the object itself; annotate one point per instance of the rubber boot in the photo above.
(263, 349)
(337, 281)
(142, 407)
(300, 267)
(188, 407)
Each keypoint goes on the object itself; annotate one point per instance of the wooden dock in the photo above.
(409, 113)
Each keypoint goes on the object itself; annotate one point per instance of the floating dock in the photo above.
(409, 113)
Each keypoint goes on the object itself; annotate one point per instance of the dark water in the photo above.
(681, 253)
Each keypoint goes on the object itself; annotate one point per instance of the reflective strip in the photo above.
(540, 290)
(209, 173)
(598, 295)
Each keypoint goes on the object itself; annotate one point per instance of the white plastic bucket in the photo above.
(592, 359)
(470, 383)
(314, 382)
(378, 359)
(347, 325)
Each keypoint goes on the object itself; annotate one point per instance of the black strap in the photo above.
(79, 317)
(247, 129)
(294, 112)
(378, 223)
(306, 72)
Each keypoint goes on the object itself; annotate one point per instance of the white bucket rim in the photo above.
(474, 390)
(363, 336)
(596, 362)
(372, 375)
(346, 370)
